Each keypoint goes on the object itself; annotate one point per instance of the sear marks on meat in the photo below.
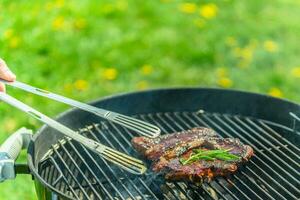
(155, 148)
(167, 150)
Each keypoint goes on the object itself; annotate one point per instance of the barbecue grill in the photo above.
(64, 169)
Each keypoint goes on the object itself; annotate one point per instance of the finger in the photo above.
(2, 87)
(5, 73)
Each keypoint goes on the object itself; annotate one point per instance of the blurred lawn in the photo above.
(89, 49)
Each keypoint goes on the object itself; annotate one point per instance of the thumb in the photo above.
(5, 73)
(2, 87)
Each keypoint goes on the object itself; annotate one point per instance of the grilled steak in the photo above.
(167, 151)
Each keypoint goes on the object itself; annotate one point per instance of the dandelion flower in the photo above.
(142, 85)
(14, 42)
(8, 33)
(295, 72)
(58, 23)
(81, 85)
(270, 46)
(188, 8)
(275, 92)
(209, 10)
(80, 23)
(247, 53)
(110, 74)
(225, 82)
(146, 69)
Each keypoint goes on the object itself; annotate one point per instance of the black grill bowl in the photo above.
(73, 172)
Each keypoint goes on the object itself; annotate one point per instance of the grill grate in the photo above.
(273, 173)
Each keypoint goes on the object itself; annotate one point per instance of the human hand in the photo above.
(5, 74)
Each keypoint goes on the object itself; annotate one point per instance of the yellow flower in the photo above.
(81, 85)
(8, 33)
(58, 23)
(110, 74)
(222, 71)
(295, 72)
(200, 23)
(231, 41)
(225, 82)
(14, 42)
(247, 53)
(146, 69)
(275, 92)
(270, 46)
(209, 10)
(188, 8)
(80, 23)
(142, 85)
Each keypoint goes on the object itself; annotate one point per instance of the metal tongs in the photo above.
(124, 161)
(139, 126)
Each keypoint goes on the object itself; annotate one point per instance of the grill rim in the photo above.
(31, 161)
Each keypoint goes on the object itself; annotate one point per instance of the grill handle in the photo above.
(10, 150)
(296, 122)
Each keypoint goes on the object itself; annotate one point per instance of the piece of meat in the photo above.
(154, 148)
(167, 150)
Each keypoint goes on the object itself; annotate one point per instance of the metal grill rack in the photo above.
(273, 173)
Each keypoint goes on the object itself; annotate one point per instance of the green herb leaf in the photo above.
(205, 158)
(209, 155)
(182, 161)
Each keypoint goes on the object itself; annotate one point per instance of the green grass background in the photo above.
(89, 49)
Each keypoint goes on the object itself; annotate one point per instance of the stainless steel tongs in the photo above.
(124, 161)
(139, 126)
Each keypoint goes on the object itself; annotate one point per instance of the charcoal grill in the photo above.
(64, 169)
